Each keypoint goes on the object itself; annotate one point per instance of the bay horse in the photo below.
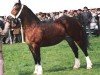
(39, 34)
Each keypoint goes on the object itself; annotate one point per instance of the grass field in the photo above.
(56, 60)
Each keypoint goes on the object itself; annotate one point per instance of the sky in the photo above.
(48, 5)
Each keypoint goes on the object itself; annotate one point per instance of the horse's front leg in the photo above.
(35, 50)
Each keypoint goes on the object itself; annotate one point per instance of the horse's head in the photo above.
(22, 12)
(15, 13)
(17, 9)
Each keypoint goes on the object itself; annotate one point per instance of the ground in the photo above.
(56, 60)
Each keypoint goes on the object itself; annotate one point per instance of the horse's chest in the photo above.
(33, 35)
(28, 36)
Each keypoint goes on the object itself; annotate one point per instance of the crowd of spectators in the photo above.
(89, 19)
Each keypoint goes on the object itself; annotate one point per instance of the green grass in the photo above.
(56, 60)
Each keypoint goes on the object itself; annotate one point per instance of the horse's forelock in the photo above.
(17, 4)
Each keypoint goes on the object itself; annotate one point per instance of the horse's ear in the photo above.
(19, 1)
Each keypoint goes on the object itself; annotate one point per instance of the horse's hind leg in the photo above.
(75, 51)
(84, 49)
(35, 50)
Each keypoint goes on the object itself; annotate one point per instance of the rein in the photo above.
(18, 13)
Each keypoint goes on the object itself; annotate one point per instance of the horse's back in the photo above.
(52, 34)
(57, 30)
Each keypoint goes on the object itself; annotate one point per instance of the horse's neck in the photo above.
(30, 18)
(35, 19)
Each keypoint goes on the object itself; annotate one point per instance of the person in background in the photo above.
(70, 13)
(94, 22)
(87, 16)
(75, 14)
(66, 12)
(98, 20)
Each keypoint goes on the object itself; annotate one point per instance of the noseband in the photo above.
(18, 12)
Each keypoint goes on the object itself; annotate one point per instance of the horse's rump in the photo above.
(75, 30)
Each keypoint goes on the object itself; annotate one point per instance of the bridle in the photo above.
(11, 18)
(22, 6)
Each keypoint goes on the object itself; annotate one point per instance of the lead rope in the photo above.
(22, 33)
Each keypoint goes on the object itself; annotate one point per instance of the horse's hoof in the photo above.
(38, 70)
(39, 74)
(90, 67)
(76, 67)
(77, 63)
(36, 74)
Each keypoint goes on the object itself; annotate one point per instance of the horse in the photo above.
(42, 34)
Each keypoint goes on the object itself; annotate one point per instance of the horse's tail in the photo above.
(81, 39)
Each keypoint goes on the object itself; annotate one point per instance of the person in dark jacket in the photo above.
(87, 16)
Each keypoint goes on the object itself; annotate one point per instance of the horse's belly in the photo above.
(51, 42)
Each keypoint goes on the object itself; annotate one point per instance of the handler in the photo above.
(1, 55)
(1, 58)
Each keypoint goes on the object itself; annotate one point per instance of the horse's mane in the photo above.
(32, 15)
